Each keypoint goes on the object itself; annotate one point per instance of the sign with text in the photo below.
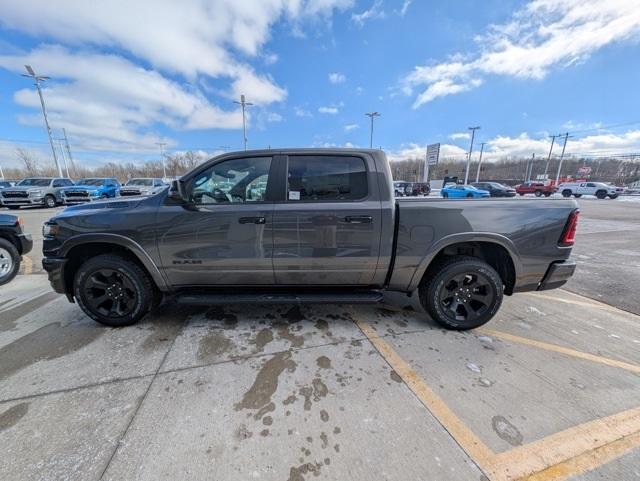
(433, 152)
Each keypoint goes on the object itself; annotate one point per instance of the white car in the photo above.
(578, 189)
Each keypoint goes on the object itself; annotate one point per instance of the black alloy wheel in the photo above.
(49, 201)
(110, 293)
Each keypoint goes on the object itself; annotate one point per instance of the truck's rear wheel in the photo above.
(566, 193)
(113, 290)
(577, 196)
(49, 201)
(9, 261)
(538, 193)
(601, 194)
(462, 293)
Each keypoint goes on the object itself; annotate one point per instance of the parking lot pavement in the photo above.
(548, 390)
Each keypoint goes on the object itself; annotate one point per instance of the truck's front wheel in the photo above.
(113, 290)
(461, 293)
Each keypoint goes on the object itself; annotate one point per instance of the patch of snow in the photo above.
(535, 310)
(473, 367)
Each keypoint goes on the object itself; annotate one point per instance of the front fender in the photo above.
(449, 240)
(131, 245)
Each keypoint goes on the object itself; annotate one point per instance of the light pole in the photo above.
(37, 79)
(553, 139)
(372, 115)
(244, 104)
(66, 143)
(466, 174)
(564, 146)
(164, 167)
(480, 161)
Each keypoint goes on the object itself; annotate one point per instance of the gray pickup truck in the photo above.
(305, 226)
(43, 191)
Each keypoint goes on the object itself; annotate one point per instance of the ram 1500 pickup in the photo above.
(305, 226)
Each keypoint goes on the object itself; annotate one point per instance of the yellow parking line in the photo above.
(561, 350)
(468, 441)
(572, 451)
(28, 264)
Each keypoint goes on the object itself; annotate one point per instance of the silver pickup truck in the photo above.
(305, 226)
(42, 191)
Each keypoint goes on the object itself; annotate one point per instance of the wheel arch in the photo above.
(498, 251)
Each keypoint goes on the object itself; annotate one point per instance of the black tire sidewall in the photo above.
(566, 193)
(15, 255)
(144, 295)
(47, 199)
(430, 298)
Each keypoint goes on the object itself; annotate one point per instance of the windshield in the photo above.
(144, 182)
(90, 182)
(497, 185)
(35, 182)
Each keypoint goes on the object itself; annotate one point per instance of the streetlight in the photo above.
(372, 115)
(473, 133)
(37, 79)
(480, 161)
(164, 167)
(244, 104)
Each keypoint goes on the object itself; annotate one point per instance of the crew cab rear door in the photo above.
(223, 234)
(326, 231)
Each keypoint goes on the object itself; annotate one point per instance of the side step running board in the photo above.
(208, 299)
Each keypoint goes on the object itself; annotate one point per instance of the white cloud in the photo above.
(337, 78)
(302, 112)
(328, 110)
(172, 63)
(274, 117)
(460, 135)
(405, 6)
(350, 127)
(543, 35)
(417, 151)
(374, 12)
(359, 90)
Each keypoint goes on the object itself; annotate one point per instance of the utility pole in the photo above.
(480, 161)
(244, 104)
(1, 173)
(164, 167)
(530, 169)
(66, 143)
(64, 158)
(564, 146)
(553, 139)
(37, 79)
(466, 174)
(372, 115)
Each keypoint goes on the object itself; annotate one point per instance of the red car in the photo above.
(537, 188)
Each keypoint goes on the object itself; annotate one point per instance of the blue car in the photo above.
(88, 190)
(463, 191)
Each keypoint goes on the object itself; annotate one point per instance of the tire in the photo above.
(104, 196)
(9, 261)
(521, 193)
(454, 278)
(49, 201)
(577, 196)
(538, 193)
(601, 194)
(469, 195)
(547, 194)
(566, 193)
(445, 195)
(108, 283)
(613, 196)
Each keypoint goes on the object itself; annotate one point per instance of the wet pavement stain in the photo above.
(323, 362)
(294, 315)
(324, 415)
(213, 345)
(46, 343)
(395, 376)
(266, 382)
(12, 415)
(297, 473)
(266, 409)
(264, 337)
(217, 313)
(506, 431)
(10, 316)
(317, 390)
(284, 332)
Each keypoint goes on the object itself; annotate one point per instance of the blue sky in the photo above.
(124, 79)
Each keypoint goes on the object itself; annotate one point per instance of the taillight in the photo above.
(568, 236)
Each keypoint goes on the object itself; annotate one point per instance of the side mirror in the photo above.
(176, 191)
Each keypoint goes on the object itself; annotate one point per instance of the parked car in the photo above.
(495, 189)
(461, 191)
(142, 186)
(402, 188)
(578, 189)
(420, 189)
(536, 188)
(327, 229)
(44, 191)
(87, 190)
(14, 243)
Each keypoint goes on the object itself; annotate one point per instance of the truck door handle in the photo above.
(252, 220)
(358, 219)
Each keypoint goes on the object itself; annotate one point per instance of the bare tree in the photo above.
(27, 158)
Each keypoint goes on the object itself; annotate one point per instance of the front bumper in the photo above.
(26, 243)
(557, 275)
(78, 200)
(23, 201)
(55, 270)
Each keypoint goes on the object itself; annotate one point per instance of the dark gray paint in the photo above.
(310, 244)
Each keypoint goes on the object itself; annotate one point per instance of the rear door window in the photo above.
(317, 178)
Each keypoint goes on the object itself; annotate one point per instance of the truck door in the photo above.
(223, 235)
(327, 229)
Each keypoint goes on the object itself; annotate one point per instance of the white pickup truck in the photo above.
(578, 189)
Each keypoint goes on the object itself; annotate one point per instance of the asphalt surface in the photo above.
(549, 389)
